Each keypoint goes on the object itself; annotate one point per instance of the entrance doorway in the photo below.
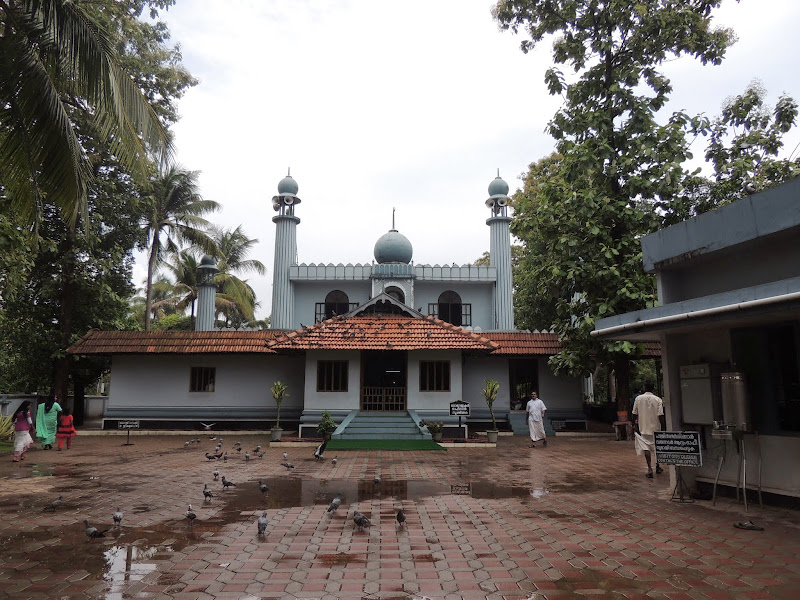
(383, 380)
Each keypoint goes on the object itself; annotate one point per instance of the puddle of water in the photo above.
(607, 581)
(125, 564)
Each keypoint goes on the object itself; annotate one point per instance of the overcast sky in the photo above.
(412, 105)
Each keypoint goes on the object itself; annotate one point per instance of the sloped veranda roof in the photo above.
(382, 332)
(362, 332)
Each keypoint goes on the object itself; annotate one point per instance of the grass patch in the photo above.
(6, 447)
(383, 444)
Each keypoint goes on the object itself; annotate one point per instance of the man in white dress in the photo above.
(648, 417)
(536, 409)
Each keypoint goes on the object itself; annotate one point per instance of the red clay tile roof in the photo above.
(382, 332)
(364, 332)
(541, 344)
(173, 342)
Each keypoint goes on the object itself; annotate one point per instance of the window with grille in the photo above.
(202, 379)
(449, 308)
(434, 376)
(332, 376)
(336, 303)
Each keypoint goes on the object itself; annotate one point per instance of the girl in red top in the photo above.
(66, 429)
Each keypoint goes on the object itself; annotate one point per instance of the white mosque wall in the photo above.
(558, 393)
(157, 384)
(308, 293)
(479, 295)
(349, 400)
(439, 401)
(476, 371)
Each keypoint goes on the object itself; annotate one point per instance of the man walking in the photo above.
(536, 409)
(648, 417)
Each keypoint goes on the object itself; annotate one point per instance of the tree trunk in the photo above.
(61, 370)
(148, 297)
(622, 370)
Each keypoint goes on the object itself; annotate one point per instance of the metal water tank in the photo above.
(735, 404)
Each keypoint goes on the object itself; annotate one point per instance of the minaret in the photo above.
(285, 253)
(206, 294)
(500, 253)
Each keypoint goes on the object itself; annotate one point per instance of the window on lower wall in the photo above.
(434, 376)
(202, 379)
(332, 375)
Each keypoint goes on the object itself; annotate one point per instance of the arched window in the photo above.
(396, 293)
(336, 303)
(450, 308)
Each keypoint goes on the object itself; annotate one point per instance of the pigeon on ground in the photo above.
(320, 450)
(190, 515)
(401, 517)
(261, 454)
(54, 504)
(334, 461)
(239, 449)
(263, 487)
(215, 473)
(285, 455)
(207, 426)
(262, 523)
(207, 495)
(225, 457)
(117, 516)
(335, 503)
(210, 456)
(226, 483)
(361, 520)
(287, 465)
(247, 456)
(376, 480)
(186, 444)
(212, 438)
(257, 449)
(93, 532)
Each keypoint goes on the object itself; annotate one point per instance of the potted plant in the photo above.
(279, 392)
(326, 425)
(435, 428)
(489, 391)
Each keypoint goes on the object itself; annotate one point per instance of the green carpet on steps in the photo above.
(382, 444)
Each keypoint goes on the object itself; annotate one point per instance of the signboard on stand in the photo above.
(679, 448)
(128, 425)
(459, 409)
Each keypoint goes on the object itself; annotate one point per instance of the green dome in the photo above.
(393, 247)
(207, 260)
(498, 187)
(287, 185)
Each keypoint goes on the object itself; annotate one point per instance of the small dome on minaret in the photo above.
(284, 202)
(498, 188)
(288, 185)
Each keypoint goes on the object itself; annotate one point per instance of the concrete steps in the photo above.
(384, 425)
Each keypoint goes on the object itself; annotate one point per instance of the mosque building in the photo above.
(381, 345)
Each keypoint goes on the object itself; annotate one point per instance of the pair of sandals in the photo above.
(659, 471)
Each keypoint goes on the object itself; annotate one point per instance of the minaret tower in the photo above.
(500, 253)
(206, 294)
(285, 253)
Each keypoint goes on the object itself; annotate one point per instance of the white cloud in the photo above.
(412, 105)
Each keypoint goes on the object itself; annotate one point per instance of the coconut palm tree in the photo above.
(54, 59)
(174, 217)
(233, 247)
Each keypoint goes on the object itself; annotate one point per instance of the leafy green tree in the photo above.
(57, 61)
(174, 216)
(745, 141)
(613, 153)
(74, 276)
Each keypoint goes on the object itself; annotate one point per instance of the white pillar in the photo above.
(285, 255)
(500, 258)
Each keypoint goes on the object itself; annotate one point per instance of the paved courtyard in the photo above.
(576, 519)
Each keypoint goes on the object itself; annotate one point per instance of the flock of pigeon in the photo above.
(360, 520)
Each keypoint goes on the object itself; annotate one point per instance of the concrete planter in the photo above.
(275, 434)
(491, 435)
